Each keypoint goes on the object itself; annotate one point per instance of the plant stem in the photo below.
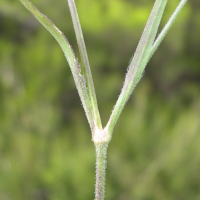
(85, 61)
(101, 150)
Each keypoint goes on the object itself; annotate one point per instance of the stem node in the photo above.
(101, 136)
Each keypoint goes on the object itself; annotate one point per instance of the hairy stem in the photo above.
(101, 150)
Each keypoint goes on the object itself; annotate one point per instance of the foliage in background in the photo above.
(158, 154)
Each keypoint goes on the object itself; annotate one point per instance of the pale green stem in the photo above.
(69, 54)
(85, 61)
(139, 61)
(101, 150)
(166, 28)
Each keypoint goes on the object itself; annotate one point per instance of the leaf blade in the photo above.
(69, 54)
(167, 27)
(85, 61)
(139, 61)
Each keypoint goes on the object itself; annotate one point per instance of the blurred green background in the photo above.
(46, 152)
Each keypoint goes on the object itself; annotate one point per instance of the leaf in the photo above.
(139, 60)
(69, 54)
(85, 63)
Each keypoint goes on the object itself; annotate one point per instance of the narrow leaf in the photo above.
(85, 62)
(139, 60)
(167, 27)
(69, 54)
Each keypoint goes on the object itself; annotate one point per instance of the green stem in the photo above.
(101, 150)
(85, 61)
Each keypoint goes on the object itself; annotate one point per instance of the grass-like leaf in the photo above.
(69, 54)
(167, 27)
(139, 61)
(85, 68)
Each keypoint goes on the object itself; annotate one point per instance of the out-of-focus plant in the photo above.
(83, 77)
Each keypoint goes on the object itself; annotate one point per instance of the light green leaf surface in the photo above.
(85, 63)
(139, 60)
(69, 54)
(166, 28)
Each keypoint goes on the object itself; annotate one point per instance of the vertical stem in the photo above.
(101, 150)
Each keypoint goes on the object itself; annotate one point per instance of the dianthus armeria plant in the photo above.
(83, 77)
